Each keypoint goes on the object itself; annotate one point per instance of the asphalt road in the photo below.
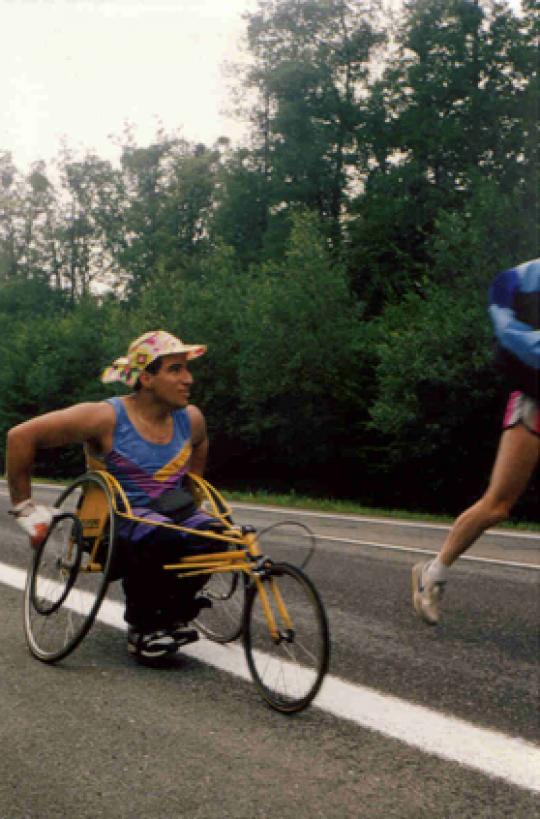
(98, 736)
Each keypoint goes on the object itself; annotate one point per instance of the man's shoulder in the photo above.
(97, 421)
(197, 423)
(193, 411)
(98, 415)
(103, 409)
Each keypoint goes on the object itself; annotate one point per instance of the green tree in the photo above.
(453, 109)
(310, 70)
(438, 398)
(88, 224)
(10, 217)
(53, 360)
(38, 204)
(240, 219)
(169, 188)
(301, 361)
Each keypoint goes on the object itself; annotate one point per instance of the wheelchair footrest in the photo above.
(184, 636)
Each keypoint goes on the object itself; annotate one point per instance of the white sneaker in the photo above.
(426, 596)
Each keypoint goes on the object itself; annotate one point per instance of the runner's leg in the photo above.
(517, 456)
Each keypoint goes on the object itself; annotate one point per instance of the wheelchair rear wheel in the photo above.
(70, 571)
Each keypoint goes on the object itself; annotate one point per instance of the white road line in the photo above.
(393, 547)
(492, 753)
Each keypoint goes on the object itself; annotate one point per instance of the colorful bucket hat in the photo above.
(143, 351)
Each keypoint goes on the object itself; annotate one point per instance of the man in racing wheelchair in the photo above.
(148, 440)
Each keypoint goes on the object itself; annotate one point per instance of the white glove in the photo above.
(34, 520)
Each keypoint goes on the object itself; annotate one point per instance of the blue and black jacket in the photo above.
(514, 308)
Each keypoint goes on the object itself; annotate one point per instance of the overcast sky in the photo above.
(80, 69)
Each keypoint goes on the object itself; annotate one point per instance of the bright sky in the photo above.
(78, 70)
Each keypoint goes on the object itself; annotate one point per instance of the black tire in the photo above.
(288, 671)
(223, 622)
(47, 604)
(62, 598)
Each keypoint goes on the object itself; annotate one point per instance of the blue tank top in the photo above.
(145, 470)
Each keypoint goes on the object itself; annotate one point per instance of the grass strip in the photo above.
(348, 507)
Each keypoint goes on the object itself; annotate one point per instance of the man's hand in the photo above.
(34, 520)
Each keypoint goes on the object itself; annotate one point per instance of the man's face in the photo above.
(172, 383)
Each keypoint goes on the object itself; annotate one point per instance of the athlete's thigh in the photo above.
(517, 457)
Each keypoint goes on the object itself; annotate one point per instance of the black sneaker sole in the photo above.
(160, 661)
(134, 649)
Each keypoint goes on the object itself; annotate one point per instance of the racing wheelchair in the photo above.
(274, 606)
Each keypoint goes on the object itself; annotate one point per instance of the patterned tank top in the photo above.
(144, 469)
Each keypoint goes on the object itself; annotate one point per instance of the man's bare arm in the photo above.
(199, 440)
(76, 424)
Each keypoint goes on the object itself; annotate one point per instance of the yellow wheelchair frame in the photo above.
(273, 605)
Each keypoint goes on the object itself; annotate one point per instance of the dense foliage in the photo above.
(337, 265)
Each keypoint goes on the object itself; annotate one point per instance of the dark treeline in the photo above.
(337, 265)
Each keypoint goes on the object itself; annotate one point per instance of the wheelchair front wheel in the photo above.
(64, 588)
(288, 668)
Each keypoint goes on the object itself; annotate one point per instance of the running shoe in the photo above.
(426, 596)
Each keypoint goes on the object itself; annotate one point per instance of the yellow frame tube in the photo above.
(281, 604)
(197, 572)
(240, 554)
(267, 609)
(232, 537)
